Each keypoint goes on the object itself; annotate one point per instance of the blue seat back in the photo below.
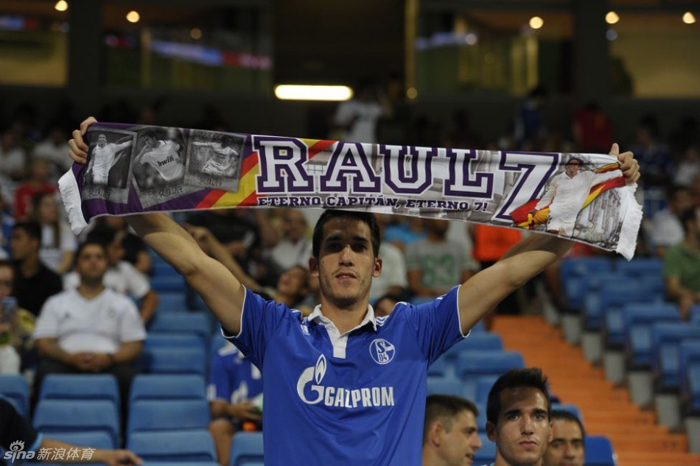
(174, 340)
(246, 447)
(599, 451)
(16, 389)
(445, 386)
(188, 447)
(665, 341)
(175, 361)
(182, 322)
(487, 453)
(85, 439)
(483, 387)
(474, 364)
(80, 387)
(59, 416)
(476, 342)
(162, 415)
(167, 387)
(689, 354)
(172, 301)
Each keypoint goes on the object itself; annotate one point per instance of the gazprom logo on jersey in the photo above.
(341, 397)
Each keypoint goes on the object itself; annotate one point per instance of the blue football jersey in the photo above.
(232, 377)
(357, 398)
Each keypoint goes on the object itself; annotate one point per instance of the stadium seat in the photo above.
(665, 348)
(689, 356)
(80, 387)
(483, 387)
(439, 368)
(694, 387)
(246, 447)
(647, 266)
(163, 415)
(216, 342)
(599, 451)
(168, 283)
(15, 388)
(573, 409)
(171, 302)
(85, 439)
(175, 361)
(446, 386)
(575, 272)
(487, 453)
(64, 416)
(479, 363)
(637, 321)
(181, 447)
(481, 418)
(167, 387)
(174, 340)
(182, 322)
(477, 342)
(613, 294)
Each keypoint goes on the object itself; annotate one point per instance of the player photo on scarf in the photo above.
(109, 170)
(214, 160)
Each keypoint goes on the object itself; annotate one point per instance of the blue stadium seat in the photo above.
(665, 348)
(483, 387)
(167, 387)
(695, 314)
(59, 416)
(174, 340)
(479, 363)
(80, 387)
(637, 321)
(182, 322)
(15, 388)
(479, 327)
(693, 401)
(246, 447)
(647, 266)
(175, 361)
(168, 283)
(85, 439)
(477, 342)
(599, 451)
(575, 273)
(182, 447)
(439, 368)
(613, 294)
(481, 418)
(172, 302)
(487, 453)
(162, 415)
(445, 386)
(573, 409)
(689, 356)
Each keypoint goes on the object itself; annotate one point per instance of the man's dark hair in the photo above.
(564, 415)
(328, 215)
(104, 236)
(689, 216)
(673, 190)
(31, 228)
(516, 378)
(446, 407)
(580, 161)
(90, 242)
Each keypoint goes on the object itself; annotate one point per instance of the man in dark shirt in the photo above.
(16, 430)
(34, 282)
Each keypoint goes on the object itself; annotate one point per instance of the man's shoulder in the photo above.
(46, 274)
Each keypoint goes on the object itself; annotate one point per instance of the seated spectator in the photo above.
(689, 166)
(682, 265)
(135, 250)
(16, 325)
(518, 419)
(393, 279)
(294, 248)
(435, 265)
(666, 228)
(58, 243)
(34, 282)
(450, 433)
(90, 329)
(12, 157)
(37, 183)
(121, 276)
(567, 445)
(292, 286)
(384, 305)
(53, 149)
(16, 428)
(233, 384)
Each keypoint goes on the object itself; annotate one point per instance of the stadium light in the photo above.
(133, 16)
(689, 18)
(536, 22)
(313, 92)
(612, 17)
(196, 33)
(61, 5)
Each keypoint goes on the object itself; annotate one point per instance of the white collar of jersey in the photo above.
(318, 317)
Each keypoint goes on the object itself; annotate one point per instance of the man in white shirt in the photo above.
(222, 163)
(359, 116)
(90, 329)
(163, 156)
(294, 249)
(105, 156)
(566, 194)
(121, 276)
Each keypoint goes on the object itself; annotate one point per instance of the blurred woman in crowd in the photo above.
(58, 244)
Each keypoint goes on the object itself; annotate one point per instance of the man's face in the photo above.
(22, 245)
(566, 447)
(682, 200)
(115, 252)
(293, 282)
(92, 263)
(101, 140)
(7, 280)
(523, 430)
(573, 168)
(346, 262)
(436, 226)
(460, 444)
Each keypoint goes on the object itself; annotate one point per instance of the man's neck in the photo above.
(30, 266)
(500, 461)
(430, 458)
(347, 318)
(89, 290)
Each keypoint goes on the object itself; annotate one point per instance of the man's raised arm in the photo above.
(221, 291)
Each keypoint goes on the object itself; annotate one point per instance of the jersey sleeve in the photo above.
(436, 324)
(259, 322)
(219, 381)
